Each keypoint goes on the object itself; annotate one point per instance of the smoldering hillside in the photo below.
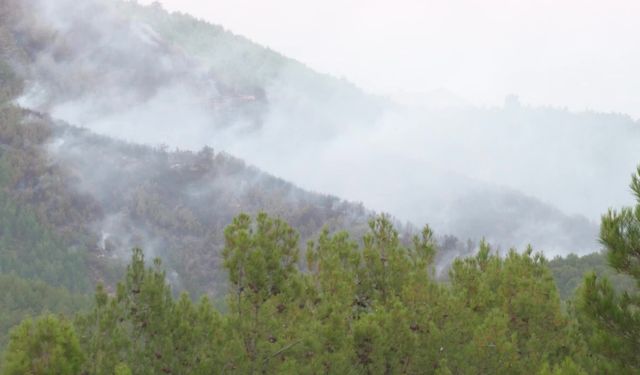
(101, 196)
(176, 204)
(515, 175)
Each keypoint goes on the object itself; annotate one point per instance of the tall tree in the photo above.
(144, 328)
(262, 260)
(611, 320)
(510, 307)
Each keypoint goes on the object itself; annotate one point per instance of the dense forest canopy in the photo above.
(235, 270)
(369, 308)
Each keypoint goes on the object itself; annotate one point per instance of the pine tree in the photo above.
(611, 320)
(47, 345)
(511, 308)
(143, 329)
(262, 261)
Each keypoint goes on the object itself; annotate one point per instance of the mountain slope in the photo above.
(74, 203)
(176, 204)
(143, 75)
(94, 198)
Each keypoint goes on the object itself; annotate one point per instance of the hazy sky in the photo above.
(583, 54)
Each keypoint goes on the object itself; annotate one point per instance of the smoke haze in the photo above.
(578, 54)
(512, 172)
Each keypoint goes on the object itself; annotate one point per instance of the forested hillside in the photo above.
(373, 308)
(143, 75)
(118, 124)
(72, 203)
(100, 196)
(59, 206)
(176, 204)
(569, 271)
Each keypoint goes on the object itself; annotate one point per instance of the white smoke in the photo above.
(423, 165)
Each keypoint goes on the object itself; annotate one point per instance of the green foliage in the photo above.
(376, 309)
(180, 202)
(620, 234)
(39, 268)
(143, 328)
(372, 308)
(366, 308)
(568, 367)
(261, 259)
(610, 320)
(514, 305)
(122, 369)
(47, 345)
(569, 272)
(32, 251)
(22, 298)
(28, 246)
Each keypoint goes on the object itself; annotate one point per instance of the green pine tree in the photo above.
(611, 320)
(45, 346)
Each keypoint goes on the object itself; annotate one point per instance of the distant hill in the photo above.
(171, 85)
(569, 272)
